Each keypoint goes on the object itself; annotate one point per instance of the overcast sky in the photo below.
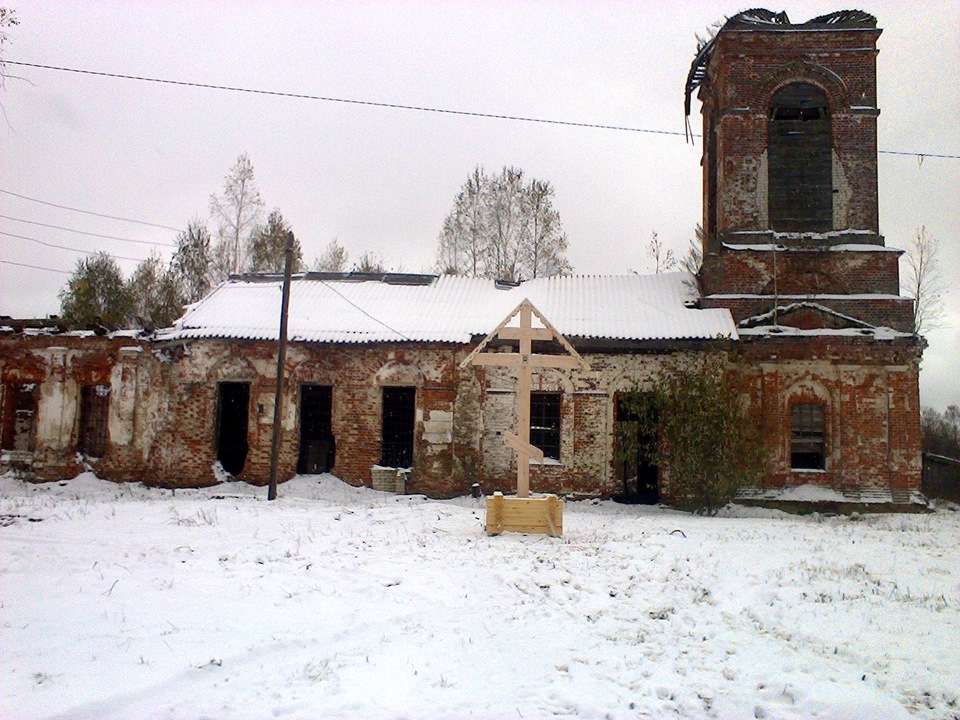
(382, 180)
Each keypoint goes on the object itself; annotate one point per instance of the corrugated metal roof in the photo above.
(452, 309)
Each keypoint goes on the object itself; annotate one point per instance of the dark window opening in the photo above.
(800, 168)
(636, 431)
(545, 423)
(19, 411)
(233, 410)
(807, 437)
(399, 416)
(317, 447)
(94, 409)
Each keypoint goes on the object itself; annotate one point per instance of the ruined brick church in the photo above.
(798, 290)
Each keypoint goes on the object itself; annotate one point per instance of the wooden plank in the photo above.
(502, 359)
(515, 333)
(541, 515)
(525, 449)
(517, 360)
(554, 515)
(555, 361)
(494, 523)
(523, 425)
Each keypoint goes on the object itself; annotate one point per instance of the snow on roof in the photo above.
(843, 247)
(450, 309)
(878, 333)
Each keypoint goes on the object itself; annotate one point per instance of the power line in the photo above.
(64, 247)
(82, 232)
(348, 101)
(35, 267)
(90, 212)
(920, 155)
(351, 302)
(400, 106)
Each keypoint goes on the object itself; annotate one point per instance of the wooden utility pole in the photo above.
(281, 362)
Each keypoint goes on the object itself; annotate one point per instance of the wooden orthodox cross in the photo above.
(525, 360)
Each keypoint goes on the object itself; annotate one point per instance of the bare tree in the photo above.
(504, 228)
(465, 230)
(544, 252)
(663, 258)
(370, 263)
(237, 211)
(8, 18)
(508, 225)
(924, 281)
(333, 259)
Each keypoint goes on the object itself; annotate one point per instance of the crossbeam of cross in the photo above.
(525, 360)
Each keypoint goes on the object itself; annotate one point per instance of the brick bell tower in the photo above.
(790, 167)
(792, 248)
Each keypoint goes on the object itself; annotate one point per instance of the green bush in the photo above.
(706, 448)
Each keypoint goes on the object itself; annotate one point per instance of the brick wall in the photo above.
(163, 417)
(747, 67)
(869, 390)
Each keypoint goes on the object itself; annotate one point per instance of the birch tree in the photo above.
(544, 252)
(503, 227)
(237, 211)
(463, 238)
(924, 281)
(508, 225)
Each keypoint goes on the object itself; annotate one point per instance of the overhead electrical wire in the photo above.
(300, 96)
(346, 101)
(71, 249)
(35, 267)
(83, 232)
(89, 212)
(351, 302)
(401, 106)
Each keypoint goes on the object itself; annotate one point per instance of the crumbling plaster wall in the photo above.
(185, 450)
(62, 365)
(586, 426)
(162, 417)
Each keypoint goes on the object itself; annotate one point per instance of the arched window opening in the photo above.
(800, 181)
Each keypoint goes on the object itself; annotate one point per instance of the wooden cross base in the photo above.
(525, 515)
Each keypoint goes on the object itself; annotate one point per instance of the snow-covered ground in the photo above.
(335, 602)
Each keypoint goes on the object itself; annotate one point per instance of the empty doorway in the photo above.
(233, 407)
(19, 411)
(636, 431)
(317, 448)
(94, 409)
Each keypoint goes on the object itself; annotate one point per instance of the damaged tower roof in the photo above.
(763, 19)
